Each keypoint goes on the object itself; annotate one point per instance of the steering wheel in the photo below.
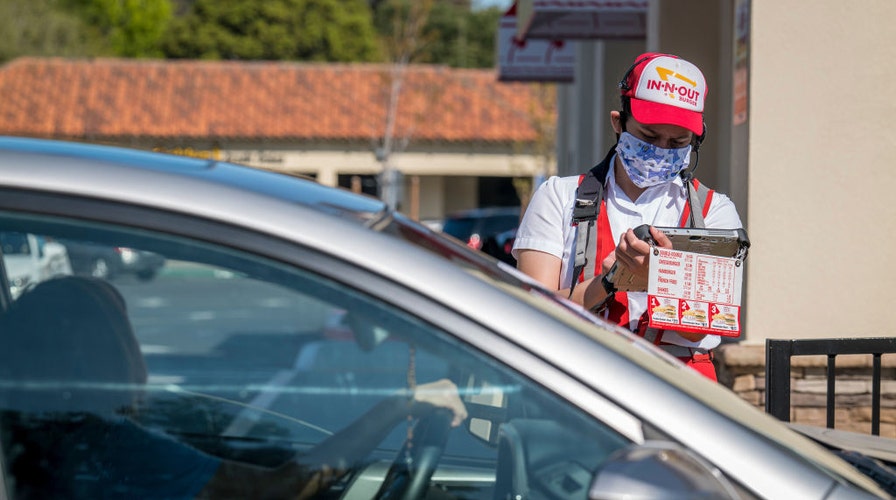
(409, 479)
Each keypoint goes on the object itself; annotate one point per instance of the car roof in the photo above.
(295, 189)
(288, 207)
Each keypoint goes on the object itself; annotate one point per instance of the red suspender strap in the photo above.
(707, 202)
(685, 215)
(617, 307)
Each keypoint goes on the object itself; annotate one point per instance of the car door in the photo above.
(251, 349)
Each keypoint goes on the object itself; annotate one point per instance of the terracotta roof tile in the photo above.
(55, 97)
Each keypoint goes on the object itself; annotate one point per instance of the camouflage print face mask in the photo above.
(648, 165)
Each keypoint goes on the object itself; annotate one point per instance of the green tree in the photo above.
(482, 35)
(454, 34)
(460, 37)
(401, 25)
(44, 28)
(306, 30)
(130, 28)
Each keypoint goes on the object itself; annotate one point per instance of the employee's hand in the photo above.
(634, 253)
(660, 238)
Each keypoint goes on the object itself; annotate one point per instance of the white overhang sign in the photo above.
(532, 60)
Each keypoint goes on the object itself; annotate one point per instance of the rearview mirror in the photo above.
(487, 408)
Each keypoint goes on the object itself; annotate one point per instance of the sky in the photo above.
(492, 3)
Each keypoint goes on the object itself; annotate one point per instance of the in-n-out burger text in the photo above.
(686, 94)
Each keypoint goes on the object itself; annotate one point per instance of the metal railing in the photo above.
(777, 371)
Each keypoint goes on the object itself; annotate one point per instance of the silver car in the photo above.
(286, 310)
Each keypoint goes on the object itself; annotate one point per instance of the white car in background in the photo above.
(30, 259)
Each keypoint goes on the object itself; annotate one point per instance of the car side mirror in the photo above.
(658, 470)
(487, 408)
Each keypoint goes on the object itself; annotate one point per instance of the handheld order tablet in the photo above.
(720, 242)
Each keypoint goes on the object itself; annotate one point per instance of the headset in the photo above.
(623, 84)
(625, 87)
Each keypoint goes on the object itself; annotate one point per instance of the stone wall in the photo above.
(741, 368)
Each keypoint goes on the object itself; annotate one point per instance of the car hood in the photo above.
(878, 447)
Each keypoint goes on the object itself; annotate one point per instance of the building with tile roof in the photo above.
(458, 133)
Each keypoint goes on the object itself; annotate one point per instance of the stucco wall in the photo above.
(822, 173)
(819, 169)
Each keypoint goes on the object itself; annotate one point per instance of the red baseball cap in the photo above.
(666, 89)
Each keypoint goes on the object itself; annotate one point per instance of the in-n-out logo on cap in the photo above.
(672, 81)
(665, 89)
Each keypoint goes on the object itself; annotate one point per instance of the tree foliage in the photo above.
(130, 28)
(453, 34)
(309, 30)
(460, 37)
(401, 25)
(82, 28)
(43, 28)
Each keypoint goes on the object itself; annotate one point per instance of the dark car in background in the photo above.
(479, 228)
(108, 261)
(499, 246)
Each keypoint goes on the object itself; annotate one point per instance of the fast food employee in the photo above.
(658, 127)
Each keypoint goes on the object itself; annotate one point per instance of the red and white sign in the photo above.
(566, 19)
(532, 60)
(694, 292)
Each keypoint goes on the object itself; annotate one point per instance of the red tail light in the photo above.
(474, 242)
(508, 246)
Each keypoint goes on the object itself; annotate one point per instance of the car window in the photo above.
(227, 355)
(31, 258)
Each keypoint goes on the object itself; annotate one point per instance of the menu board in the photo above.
(694, 292)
